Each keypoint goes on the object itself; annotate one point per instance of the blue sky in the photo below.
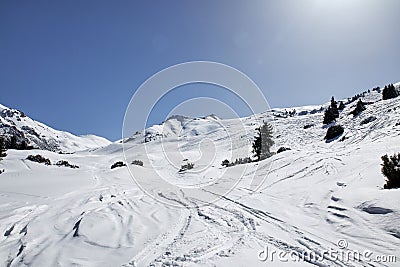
(74, 65)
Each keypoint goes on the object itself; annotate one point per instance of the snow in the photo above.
(43, 136)
(2, 107)
(314, 195)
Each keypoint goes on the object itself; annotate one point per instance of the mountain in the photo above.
(173, 127)
(38, 135)
(322, 200)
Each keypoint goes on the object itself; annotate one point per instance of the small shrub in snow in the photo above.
(354, 98)
(391, 170)
(282, 149)
(118, 164)
(317, 110)
(225, 163)
(368, 120)
(66, 164)
(238, 161)
(137, 162)
(65, 153)
(308, 126)
(377, 89)
(39, 159)
(333, 132)
(186, 167)
(243, 160)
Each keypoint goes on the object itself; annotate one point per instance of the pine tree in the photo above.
(328, 116)
(2, 148)
(263, 142)
(341, 105)
(334, 107)
(389, 92)
(331, 113)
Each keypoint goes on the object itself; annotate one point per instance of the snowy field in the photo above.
(315, 195)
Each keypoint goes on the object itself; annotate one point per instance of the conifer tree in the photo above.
(389, 92)
(331, 113)
(263, 142)
(334, 107)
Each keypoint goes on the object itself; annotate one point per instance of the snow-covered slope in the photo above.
(15, 123)
(315, 195)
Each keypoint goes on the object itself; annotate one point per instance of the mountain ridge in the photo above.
(17, 128)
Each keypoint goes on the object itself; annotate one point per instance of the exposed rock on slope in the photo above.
(16, 128)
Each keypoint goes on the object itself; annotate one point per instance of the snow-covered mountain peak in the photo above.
(15, 124)
(175, 126)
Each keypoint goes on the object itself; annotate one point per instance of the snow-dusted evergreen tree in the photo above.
(389, 92)
(334, 107)
(331, 113)
(263, 142)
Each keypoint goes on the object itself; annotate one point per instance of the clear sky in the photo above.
(75, 64)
